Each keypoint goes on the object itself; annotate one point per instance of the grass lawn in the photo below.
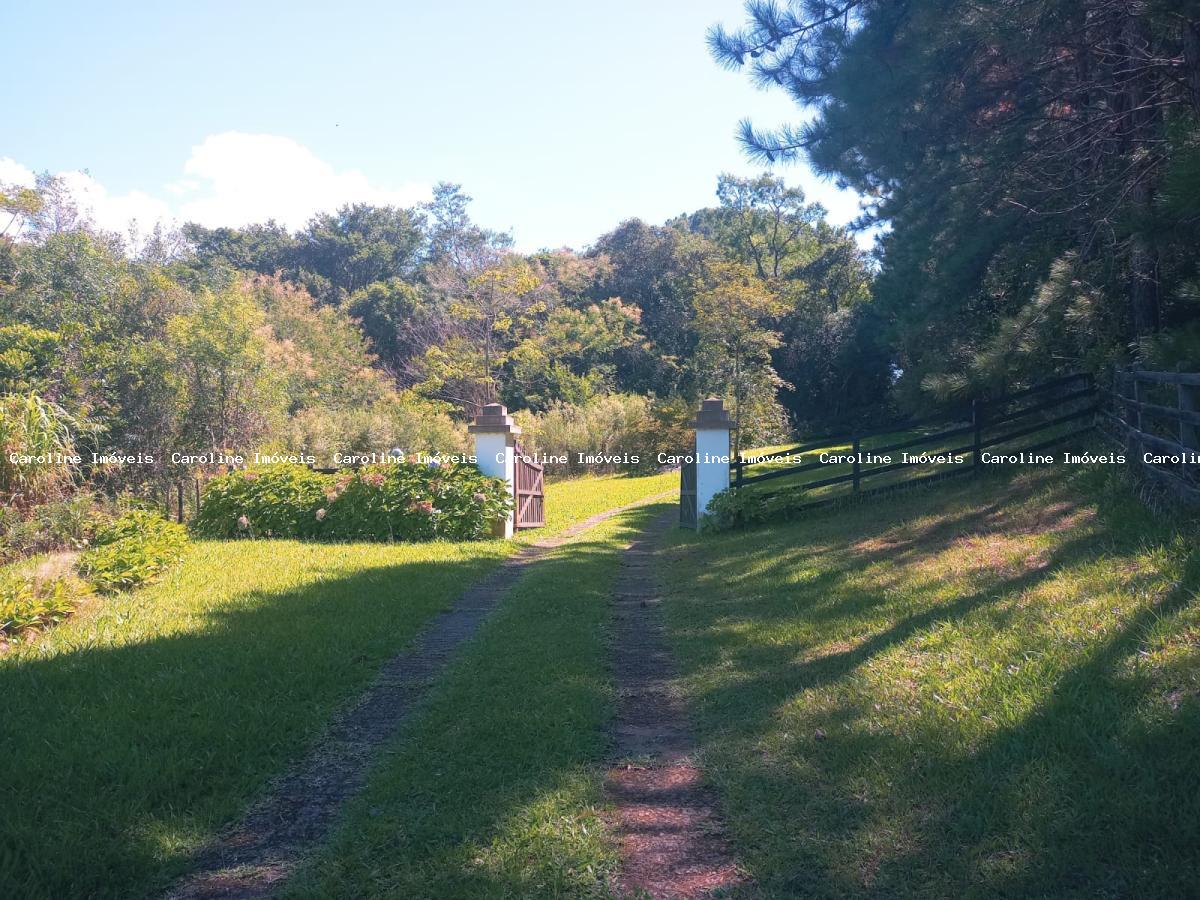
(133, 731)
(576, 499)
(795, 483)
(495, 792)
(992, 689)
(876, 454)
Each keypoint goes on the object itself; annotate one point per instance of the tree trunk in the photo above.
(1142, 127)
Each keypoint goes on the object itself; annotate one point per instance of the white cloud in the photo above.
(230, 179)
(12, 172)
(115, 212)
(244, 178)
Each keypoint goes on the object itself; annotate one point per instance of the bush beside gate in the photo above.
(390, 502)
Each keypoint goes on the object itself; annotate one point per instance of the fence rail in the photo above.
(1047, 410)
(1145, 405)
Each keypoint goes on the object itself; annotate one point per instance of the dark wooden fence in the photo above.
(1157, 415)
(529, 497)
(179, 498)
(688, 517)
(1029, 421)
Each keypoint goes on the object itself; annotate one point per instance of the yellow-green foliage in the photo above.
(27, 355)
(132, 550)
(38, 433)
(27, 603)
(608, 426)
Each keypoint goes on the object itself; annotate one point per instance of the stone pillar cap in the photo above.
(712, 415)
(494, 420)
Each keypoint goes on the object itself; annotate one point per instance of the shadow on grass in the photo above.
(493, 792)
(125, 757)
(1093, 791)
(128, 758)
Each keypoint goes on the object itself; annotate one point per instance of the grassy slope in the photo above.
(988, 690)
(572, 501)
(134, 730)
(494, 792)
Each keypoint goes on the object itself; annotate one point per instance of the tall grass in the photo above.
(37, 443)
(623, 432)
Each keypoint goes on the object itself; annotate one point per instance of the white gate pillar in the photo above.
(712, 452)
(495, 449)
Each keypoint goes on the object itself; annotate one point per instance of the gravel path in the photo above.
(255, 856)
(671, 838)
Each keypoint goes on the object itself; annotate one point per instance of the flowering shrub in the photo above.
(392, 502)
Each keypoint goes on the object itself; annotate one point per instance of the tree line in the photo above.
(377, 326)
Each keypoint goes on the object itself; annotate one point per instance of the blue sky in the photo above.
(559, 119)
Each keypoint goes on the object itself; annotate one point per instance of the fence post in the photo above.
(495, 454)
(1135, 394)
(977, 435)
(738, 464)
(1189, 401)
(857, 463)
(179, 494)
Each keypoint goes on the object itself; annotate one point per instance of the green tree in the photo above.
(229, 393)
(654, 268)
(732, 310)
(1000, 142)
(266, 249)
(495, 309)
(339, 253)
(571, 357)
(397, 318)
(765, 223)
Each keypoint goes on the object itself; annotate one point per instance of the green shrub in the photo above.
(26, 603)
(392, 502)
(617, 426)
(131, 550)
(733, 509)
(36, 444)
(395, 422)
(269, 501)
(56, 525)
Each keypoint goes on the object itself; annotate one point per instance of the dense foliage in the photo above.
(387, 502)
(1038, 164)
(133, 549)
(379, 328)
(36, 446)
(26, 602)
(612, 433)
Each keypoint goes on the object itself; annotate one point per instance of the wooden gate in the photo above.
(687, 494)
(529, 499)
